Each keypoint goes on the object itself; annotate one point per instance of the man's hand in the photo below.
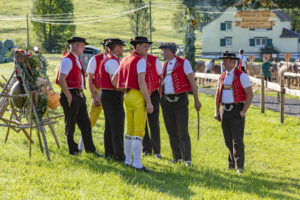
(197, 105)
(96, 101)
(217, 116)
(69, 97)
(149, 107)
(242, 113)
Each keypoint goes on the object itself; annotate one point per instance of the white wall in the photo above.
(211, 35)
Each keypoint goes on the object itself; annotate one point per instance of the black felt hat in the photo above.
(77, 39)
(115, 41)
(227, 55)
(140, 39)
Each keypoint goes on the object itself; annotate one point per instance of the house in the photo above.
(222, 34)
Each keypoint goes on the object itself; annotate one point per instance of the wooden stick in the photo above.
(262, 95)
(282, 101)
(198, 116)
(30, 132)
(8, 129)
(8, 82)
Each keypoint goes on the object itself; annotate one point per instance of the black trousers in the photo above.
(77, 113)
(176, 117)
(112, 102)
(243, 69)
(233, 130)
(153, 122)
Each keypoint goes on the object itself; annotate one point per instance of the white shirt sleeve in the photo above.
(65, 66)
(141, 66)
(91, 66)
(187, 67)
(111, 66)
(245, 80)
(159, 67)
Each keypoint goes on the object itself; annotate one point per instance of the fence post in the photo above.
(288, 82)
(262, 95)
(282, 101)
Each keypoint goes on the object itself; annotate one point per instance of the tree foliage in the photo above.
(140, 19)
(52, 36)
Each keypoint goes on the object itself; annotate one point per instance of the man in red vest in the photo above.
(234, 92)
(94, 77)
(154, 73)
(178, 79)
(112, 101)
(133, 77)
(71, 79)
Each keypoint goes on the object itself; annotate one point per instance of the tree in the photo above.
(139, 20)
(52, 36)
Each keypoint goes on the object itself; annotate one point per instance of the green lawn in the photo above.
(272, 169)
(96, 32)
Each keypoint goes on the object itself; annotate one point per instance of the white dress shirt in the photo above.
(243, 59)
(227, 95)
(66, 65)
(92, 65)
(168, 81)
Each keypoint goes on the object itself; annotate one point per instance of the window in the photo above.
(260, 42)
(228, 41)
(228, 26)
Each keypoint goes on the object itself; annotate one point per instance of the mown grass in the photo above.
(96, 32)
(272, 169)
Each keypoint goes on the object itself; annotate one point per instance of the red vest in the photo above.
(105, 81)
(180, 82)
(74, 77)
(96, 77)
(128, 77)
(152, 78)
(238, 90)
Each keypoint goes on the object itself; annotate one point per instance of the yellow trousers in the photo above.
(136, 114)
(95, 111)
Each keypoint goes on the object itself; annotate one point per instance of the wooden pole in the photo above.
(282, 101)
(288, 83)
(150, 25)
(8, 129)
(262, 95)
(30, 132)
(27, 22)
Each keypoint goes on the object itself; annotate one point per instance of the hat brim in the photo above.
(121, 43)
(139, 41)
(72, 41)
(220, 58)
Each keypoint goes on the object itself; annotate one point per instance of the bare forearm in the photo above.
(64, 87)
(249, 97)
(143, 89)
(193, 86)
(91, 86)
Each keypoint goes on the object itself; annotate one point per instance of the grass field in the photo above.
(96, 32)
(272, 168)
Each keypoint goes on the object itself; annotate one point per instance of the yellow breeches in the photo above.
(136, 114)
(95, 112)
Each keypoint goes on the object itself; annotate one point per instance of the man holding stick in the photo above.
(178, 79)
(234, 92)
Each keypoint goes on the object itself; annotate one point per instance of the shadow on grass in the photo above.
(178, 181)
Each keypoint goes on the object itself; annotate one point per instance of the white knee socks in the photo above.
(137, 147)
(128, 149)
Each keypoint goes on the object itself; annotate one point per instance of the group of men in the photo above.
(141, 83)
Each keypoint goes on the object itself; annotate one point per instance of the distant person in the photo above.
(266, 68)
(243, 61)
(208, 66)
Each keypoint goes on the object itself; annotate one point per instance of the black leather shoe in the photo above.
(98, 155)
(143, 169)
(176, 161)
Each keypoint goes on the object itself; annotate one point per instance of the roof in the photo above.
(282, 15)
(286, 33)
